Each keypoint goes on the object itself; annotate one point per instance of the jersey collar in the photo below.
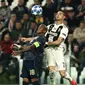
(58, 24)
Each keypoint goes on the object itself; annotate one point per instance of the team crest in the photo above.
(32, 72)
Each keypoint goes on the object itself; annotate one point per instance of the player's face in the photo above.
(60, 16)
(41, 30)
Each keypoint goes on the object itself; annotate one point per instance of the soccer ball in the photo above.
(36, 10)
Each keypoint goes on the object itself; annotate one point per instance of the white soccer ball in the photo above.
(36, 10)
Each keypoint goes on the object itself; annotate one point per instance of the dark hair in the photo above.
(5, 33)
(62, 11)
(44, 26)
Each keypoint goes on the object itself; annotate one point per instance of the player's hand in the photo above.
(49, 43)
(15, 53)
(23, 39)
(15, 45)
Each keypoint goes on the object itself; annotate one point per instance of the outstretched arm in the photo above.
(62, 36)
(57, 42)
(26, 48)
(23, 39)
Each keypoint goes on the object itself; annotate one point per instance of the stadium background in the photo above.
(10, 75)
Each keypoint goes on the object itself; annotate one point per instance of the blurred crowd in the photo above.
(19, 22)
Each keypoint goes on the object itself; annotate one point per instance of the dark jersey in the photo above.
(37, 52)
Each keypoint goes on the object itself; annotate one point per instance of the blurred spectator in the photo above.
(26, 21)
(33, 29)
(6, 49)
(81, 66)
(39, 20)
(78, 49)
(18, 31)
(67, 5)
(76, 2)
(25, 2)
(81, 10)
(36, 2)
(2, 29)
(72, 20)
(79, 33)
(30, 24)
(9, 2)
(75, 49)
(6, 43)
(8, 65)
(20, 9)
(48, 11)
(5, 11)
(79, 58)
(57, 3)
(10, 23)
(78, 45)
(10, 73)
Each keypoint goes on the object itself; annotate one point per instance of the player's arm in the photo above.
(57, 42)
(26, 48)
(61, 38)
(33, 46)
(23, 39)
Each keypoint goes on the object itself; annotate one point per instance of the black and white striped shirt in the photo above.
(55, 31)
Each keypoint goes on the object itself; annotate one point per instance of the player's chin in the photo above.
(58, 18)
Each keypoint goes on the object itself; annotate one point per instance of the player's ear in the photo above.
(64, 17)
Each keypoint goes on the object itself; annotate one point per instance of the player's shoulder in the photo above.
(51, 25)
(64, 26)
(41, 37)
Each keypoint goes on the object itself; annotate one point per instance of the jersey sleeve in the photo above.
(64, 33)
(37, 44)
(40, 41)
(48, 27)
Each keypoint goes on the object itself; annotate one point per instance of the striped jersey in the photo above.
(55, 31)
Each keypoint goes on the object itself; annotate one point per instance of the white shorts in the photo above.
(55, 58)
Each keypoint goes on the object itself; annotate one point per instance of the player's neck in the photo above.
(40, 34)
(59, 22)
